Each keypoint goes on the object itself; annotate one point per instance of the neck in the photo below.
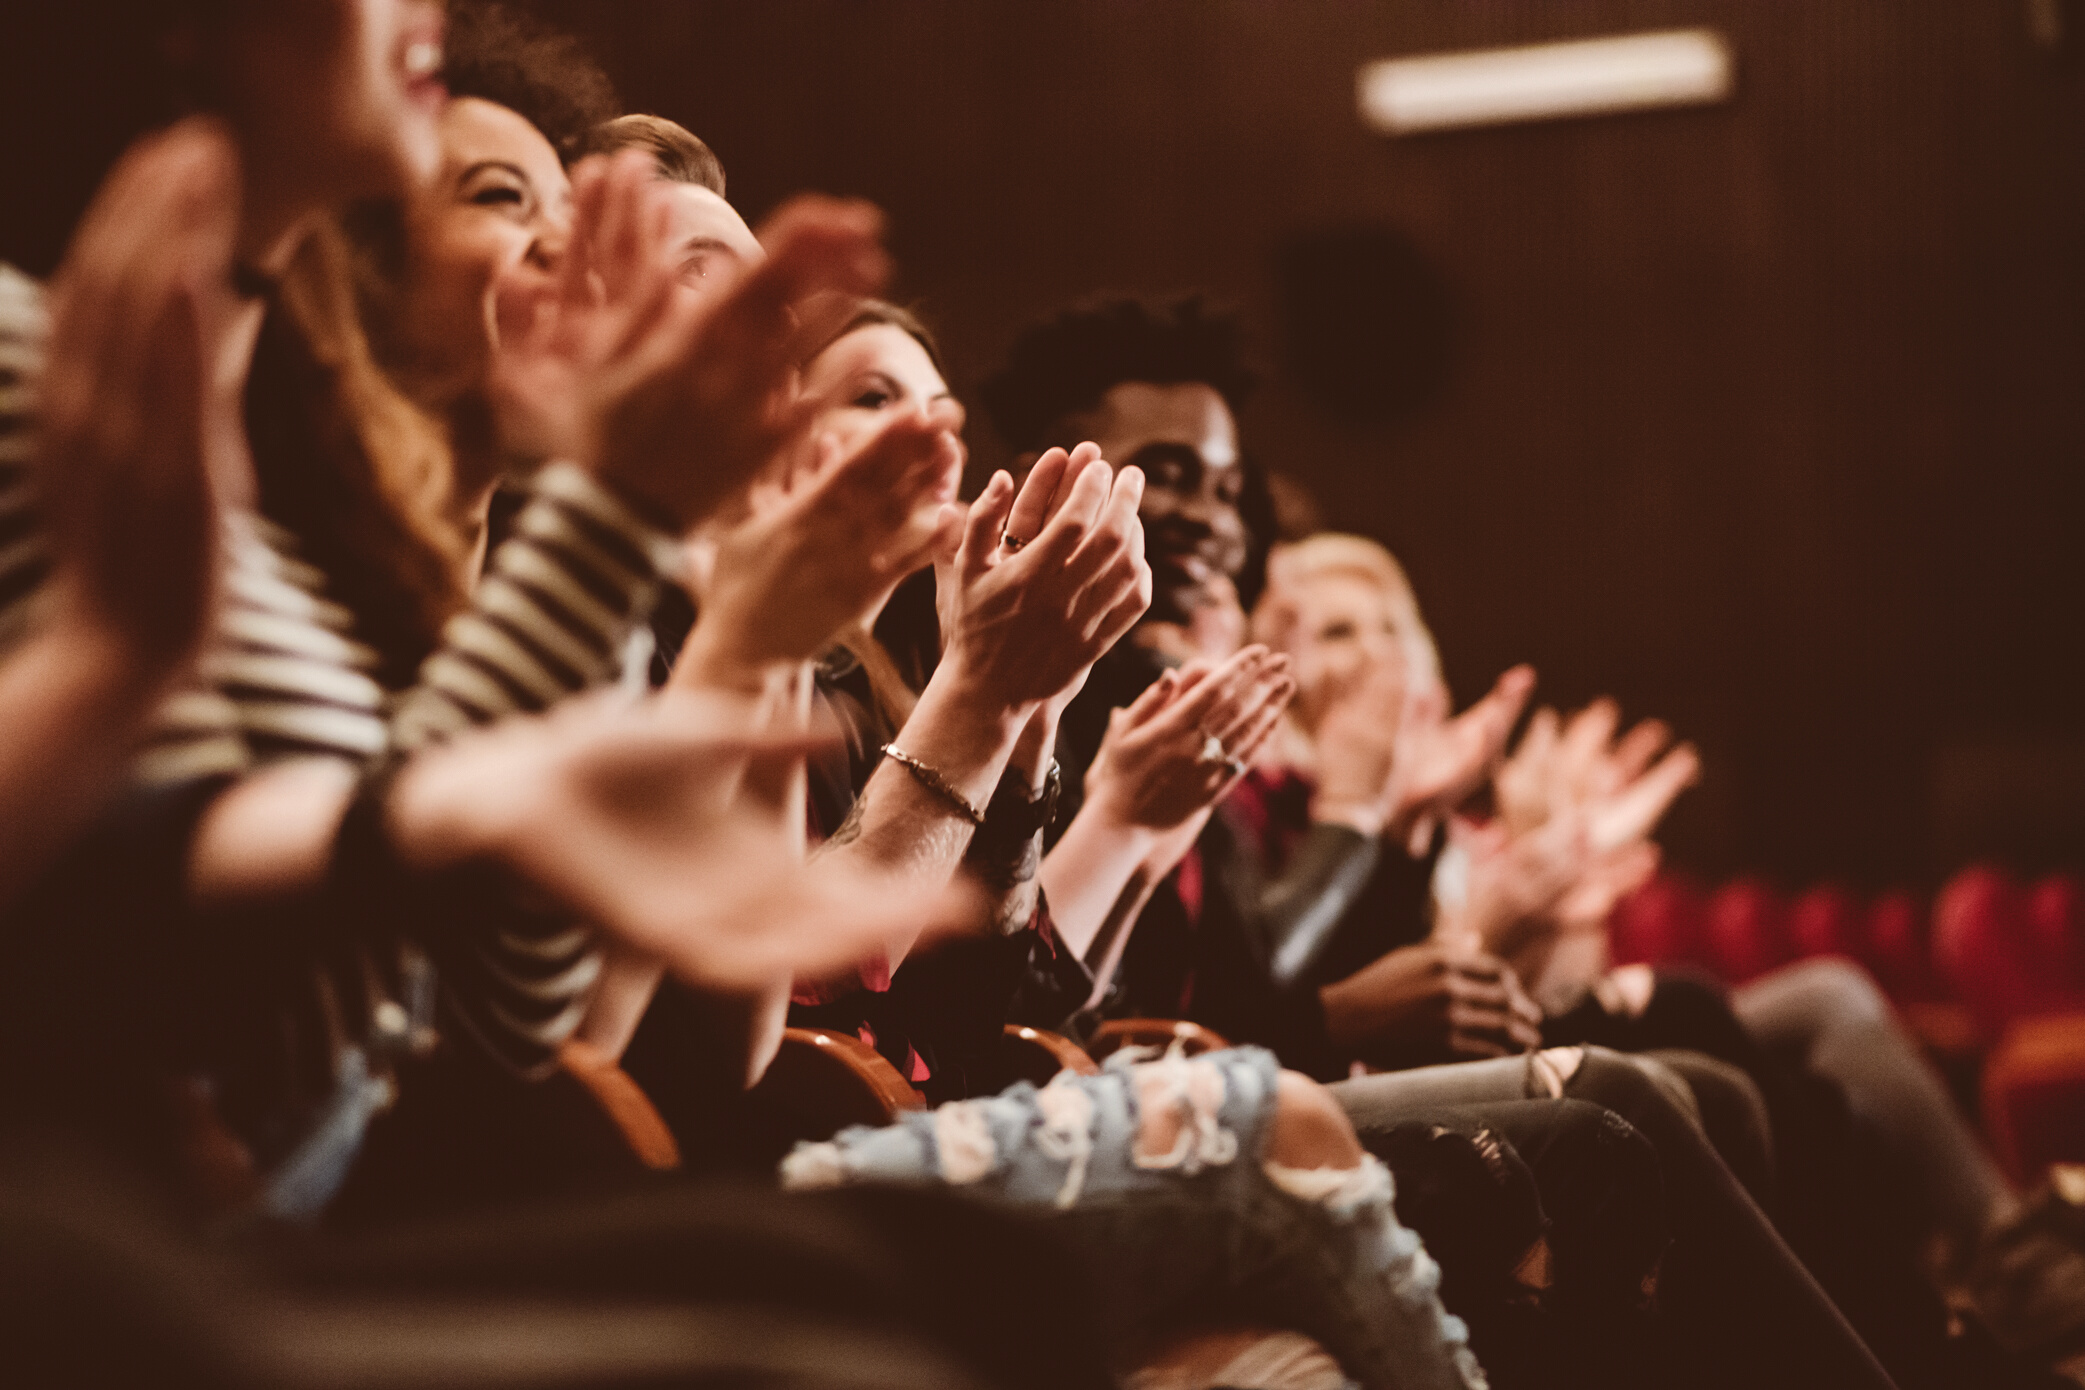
(477, 467)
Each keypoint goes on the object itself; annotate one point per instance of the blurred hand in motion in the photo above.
(139, 429)
(824, 545)
(1511, 885)
(1024, 622)
(1577, 804)
(674, 397)
(613, 813)
(1432, 1002)
(1446, 760)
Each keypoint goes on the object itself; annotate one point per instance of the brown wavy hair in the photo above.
(358, 472)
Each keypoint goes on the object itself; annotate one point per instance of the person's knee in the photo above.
(1310, 1130)
(1618, 1082)
(1840, 993)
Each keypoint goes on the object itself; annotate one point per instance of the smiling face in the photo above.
(1183, 438)
(500, 205)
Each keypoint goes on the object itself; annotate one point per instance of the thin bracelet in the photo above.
(934, 782)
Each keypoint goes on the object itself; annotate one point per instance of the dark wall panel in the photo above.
(1768, 418)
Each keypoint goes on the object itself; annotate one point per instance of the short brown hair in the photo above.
(679, 155)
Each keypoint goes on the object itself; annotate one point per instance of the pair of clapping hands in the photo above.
(1576, 805)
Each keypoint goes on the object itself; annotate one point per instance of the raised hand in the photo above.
(1024, 625)
(1448, 759)
(613, 813)
(139, 431)
(677, 398)
(558, 326)
(822, 547)
(1157, 770)
(1433, 1002)
(1514, 882)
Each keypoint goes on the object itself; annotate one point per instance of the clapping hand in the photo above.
(1026, 613)
(1446, 760)
(612, 813)
(1175, 751)
(824, 545)
(675, 398)
(139, 428)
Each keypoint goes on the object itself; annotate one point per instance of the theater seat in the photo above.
(2034, 1095)
(821, 1081)
(1118, 1033)
(1036, 1054)
(623, 1104)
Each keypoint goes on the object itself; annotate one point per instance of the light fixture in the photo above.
(1540, 82)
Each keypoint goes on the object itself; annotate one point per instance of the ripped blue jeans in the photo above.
(1156, 1171)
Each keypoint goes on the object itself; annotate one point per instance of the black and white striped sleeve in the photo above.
(552, 617)
(24, 559)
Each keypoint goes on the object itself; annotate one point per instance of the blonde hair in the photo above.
(1357, 557)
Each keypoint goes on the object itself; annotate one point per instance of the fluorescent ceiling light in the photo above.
(1540, 82)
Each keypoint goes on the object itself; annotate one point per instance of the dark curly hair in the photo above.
(507, 55)
(1065, 365)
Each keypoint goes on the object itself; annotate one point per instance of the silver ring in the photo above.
(1010, 541)
(1213, 752)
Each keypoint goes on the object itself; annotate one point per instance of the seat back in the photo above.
(821, 1081)
(1036, 1054)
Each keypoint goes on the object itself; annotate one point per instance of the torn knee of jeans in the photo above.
(1625, 991)
(1551, 1069)
(1341, 1191)
(812, 1166)
(963, 1140)
(1178, 1103)
(1066, 1133)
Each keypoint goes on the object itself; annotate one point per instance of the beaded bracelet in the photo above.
(934, 782)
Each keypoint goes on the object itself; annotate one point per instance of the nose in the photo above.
(553, 237)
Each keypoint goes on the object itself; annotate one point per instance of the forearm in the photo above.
(628, 981)
(901, 825)
(1087, 873)
(1006, 863)
(73, 701)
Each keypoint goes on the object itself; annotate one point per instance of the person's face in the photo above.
(708, 240)
(499, 206)
(1342, 625)
(865, 374)
(335, 99)
(1184, 439)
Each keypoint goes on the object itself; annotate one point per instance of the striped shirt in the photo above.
(285, 676)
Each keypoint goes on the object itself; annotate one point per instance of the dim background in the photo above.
(1767, 418)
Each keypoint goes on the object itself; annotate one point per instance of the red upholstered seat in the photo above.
(1746, 929)
(2034, 1095)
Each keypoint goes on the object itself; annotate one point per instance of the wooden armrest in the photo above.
(1119, 1033)
(821, 1081)
(623, 1102)
(1036, 1054)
